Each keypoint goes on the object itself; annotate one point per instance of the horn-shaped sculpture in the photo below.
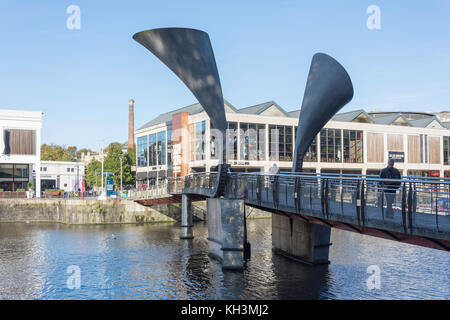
(188, 53)
(328, 89)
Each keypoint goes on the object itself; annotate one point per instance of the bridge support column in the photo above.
(226, 232)
(186, 217)
(300, 240)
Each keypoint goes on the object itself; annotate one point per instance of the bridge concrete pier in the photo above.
(226, 232)
(300, 240)
(186, 218)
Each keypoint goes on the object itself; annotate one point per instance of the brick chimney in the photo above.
(130, 123)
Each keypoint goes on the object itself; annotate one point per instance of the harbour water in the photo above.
(151, 262)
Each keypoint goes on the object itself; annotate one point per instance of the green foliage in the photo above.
(55, 152)
(94, 174)
(111, 163)
(132, 155)
(31, 185)
(58, 153)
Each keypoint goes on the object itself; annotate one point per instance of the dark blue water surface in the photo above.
(151, 262)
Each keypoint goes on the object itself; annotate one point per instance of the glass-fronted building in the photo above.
(183, 141)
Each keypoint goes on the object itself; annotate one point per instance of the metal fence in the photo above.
(409, 204)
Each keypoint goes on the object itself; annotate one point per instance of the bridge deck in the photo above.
(421, 208)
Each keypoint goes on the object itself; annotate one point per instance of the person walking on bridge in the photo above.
(390, 187)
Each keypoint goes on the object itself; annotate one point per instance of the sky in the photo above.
(82, 79)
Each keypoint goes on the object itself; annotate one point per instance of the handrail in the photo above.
(342, 178)
(417, 206)
(329, 174)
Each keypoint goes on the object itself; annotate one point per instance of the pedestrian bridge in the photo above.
(357, 203)
(421, 207)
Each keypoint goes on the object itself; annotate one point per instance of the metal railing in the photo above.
(409, 205)
(164, 188)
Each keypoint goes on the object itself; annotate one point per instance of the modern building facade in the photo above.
(19, 149)
(67, 176)
(356, 142)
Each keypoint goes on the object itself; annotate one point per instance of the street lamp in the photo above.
(102, 171)
(121, 189)
(103, 194)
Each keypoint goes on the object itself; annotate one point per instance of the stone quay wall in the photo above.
(77, 211)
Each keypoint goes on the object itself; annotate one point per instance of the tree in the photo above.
(94, 174)
(129, 177)
(131, 152)
(58, 153)
(112, 164)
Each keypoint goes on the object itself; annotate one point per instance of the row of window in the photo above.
(151, 149)
(14, 172)
(336, 145)
(446, 150)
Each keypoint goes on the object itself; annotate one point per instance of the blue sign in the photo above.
(109, 186)
(108, 174)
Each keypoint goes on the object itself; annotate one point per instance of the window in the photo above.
(152, 147)
(446, 150)
(72, 170)
(232, 145)
(274, 137)
(311, 153)
(252, 138)
(288, 143)
(142, 151)
(353, 146)
(280, 143)
(14, 176)
(6, 172)
(214, 142)
(244, 141)
(330, 145)
(261, 142)
(68, 169)
(169, 149)
(199, 140)
(162, 147)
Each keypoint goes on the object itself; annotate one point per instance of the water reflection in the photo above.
(151, 262)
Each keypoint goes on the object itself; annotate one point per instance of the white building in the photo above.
(354, 142)
(20, 142)
(67, 176)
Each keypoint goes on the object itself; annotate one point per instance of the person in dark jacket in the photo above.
(390, 187)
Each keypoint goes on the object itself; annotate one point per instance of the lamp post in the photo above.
(121, 190)
(78, 177)
(103, 195)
